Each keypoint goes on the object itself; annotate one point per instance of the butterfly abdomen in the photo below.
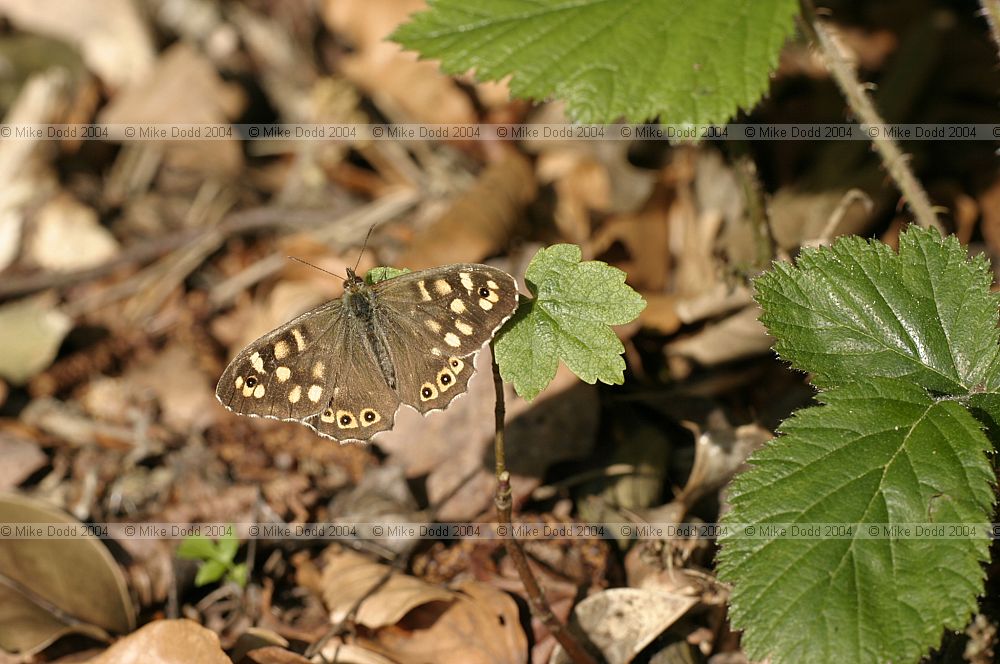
(361, 306)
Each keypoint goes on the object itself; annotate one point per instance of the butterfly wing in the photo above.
(316, 370)
(435, 321)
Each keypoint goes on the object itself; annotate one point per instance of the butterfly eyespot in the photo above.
(251, 382)
(484, 291)
(369, 416)
(427, 392)
(446, 379)
(345, 420)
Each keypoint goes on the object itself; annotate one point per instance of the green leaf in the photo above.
(681, 60)
(228, 545)
(238, 574)
(879, 452)
(569, 317)
(197, 547)
(377, 274)
(858, 309)
(210, 572)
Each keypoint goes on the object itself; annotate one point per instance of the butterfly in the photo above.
(345, 367)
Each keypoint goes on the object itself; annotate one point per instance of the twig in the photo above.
(536, 596)
(893, 158)
(991, 10)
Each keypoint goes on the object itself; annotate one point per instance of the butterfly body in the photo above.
(344, 368)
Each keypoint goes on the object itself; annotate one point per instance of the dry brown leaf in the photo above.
(989, 203)
(166, 642)
(76, 576)
(184, 88)
(623, 621)
(407, 89)
(349, 577)
(738, 336)
(480, 626)
(67, 236)
(646, 237)
(183, 390)
(21, 457)
(273, 655)
(720, 450)
(31, 331)
(111, 34)
(454, 447)
(660, 314)
(479, 222)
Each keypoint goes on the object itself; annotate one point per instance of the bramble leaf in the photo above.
(696, 61)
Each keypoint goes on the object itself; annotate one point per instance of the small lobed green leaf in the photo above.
(693, 61)
(238, 574)
(881, 452)
(569, 317)
(196, 547)
(210, 571)
(377, 274)
(228, 545)
(858, 309)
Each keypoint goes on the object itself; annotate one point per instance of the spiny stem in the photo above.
(893, 158)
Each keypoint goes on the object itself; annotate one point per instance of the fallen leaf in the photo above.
(736, 337)
(31, 331)
(21, 457)
(479, 222)
(623, 621)
(182, 388)
(111, 35)
(349, 577)
(166, 642)
(67, 236)
(56, 586)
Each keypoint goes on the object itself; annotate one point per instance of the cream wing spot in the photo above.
(283, 374)
(346, 420)
(300, 340)
(445, 379)
(442, 287)
(466, 280)
(369, 417)
(319, 370)
(257, 362)
(436, 352)
(258, 391)
(456, 365)
(239, 382)
(457, 306)
(328, 416)
(432, 325)
(295, 394)
(492, 284)
(281, 350)
(452, 340)
(485, 305)
(427, 392)
(463, 327)
(247, 391)
(314, 393)
(424, 295)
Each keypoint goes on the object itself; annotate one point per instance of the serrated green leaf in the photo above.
(878, 452)
(210, 572)
(569, 317)
(196, 547)
(377, 274)
(858, 309)
(680, 60)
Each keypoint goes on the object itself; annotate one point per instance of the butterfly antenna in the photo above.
(363, 246)
(332, 274)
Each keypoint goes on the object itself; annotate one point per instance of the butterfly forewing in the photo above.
(449, 314)
(343, 369)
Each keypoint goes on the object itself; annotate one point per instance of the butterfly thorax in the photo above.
(361, 306)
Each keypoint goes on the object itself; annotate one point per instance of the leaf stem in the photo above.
(502, 499)
(893, 158)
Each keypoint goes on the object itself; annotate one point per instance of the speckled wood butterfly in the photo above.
(344, 367)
